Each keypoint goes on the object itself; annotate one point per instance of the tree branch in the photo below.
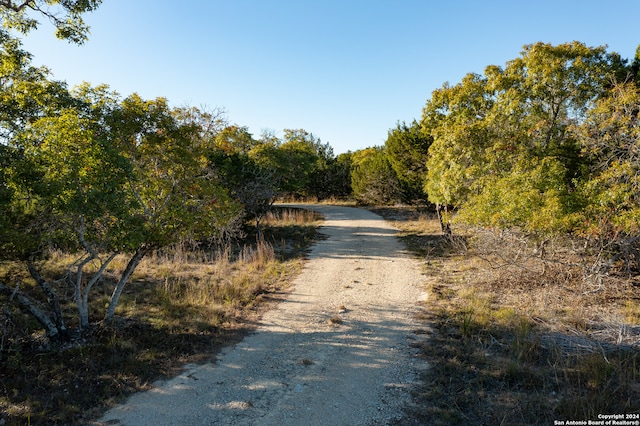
(52, 298)
(16, 7)
(27, 305)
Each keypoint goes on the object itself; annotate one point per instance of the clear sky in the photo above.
(345, 70)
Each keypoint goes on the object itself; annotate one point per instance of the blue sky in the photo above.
(345, 70)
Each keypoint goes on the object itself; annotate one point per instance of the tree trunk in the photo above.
(52, 299)
(444, 226)
(30, 307)
(82, 294)
(258, 230)
(126, 274)
(83, 309)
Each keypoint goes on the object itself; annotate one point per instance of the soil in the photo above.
(340, 350)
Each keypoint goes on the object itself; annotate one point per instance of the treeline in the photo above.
(85, 170)
(548, 145)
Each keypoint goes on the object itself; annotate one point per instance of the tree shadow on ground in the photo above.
(494, 374)
(69, 385)
(493, 365)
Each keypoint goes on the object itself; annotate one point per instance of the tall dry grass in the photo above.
(520, 333)
(212, 287)
(180, 306)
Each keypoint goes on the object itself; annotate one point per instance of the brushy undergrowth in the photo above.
(517, 337)
(181, 306)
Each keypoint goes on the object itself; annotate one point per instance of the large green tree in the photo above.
(503, 153)
(454, 118)
(108, 176)
(610, 209)
(172, 188)
(26, 96)
(251, 183)
(373, 180)
(299, 160)
(407, 147)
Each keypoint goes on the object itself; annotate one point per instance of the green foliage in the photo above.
(65, 15)
(250, 183)
(547, 145)
(372, 178)
(302, 164)
(93, 174)
(173, 193)
(332, 177)
(235, 139)
(504, 153)
(406, 147)
(610, 216)
(454, 119)
(532, 197)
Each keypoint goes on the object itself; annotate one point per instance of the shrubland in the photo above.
(517, 335)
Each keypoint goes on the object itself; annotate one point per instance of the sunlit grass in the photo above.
(517, 340)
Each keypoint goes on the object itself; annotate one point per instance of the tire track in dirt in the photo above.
(337, 351)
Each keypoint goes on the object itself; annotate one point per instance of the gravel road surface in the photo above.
(337, 351)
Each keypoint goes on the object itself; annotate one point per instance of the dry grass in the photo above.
(180, 306)
(520, 336)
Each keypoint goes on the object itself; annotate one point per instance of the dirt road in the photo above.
(336, 352)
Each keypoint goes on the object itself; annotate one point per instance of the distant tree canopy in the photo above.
(406, 148)
(373, 180)
(302, 164)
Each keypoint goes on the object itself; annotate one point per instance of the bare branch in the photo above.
(30, 307)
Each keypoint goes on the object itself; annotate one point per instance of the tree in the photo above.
(295, 159)
(173, 190)
(85, 191)
(501, 137)
(634, 68)
(252, 184)
(300, 154)
(113, 177)
(610, 213)
(235, 139)
(454, 118)
(89, 173)
(26, 97)
(407, 148)
(331, 178)
(66, 16)
(341, 186)
(373, 179)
